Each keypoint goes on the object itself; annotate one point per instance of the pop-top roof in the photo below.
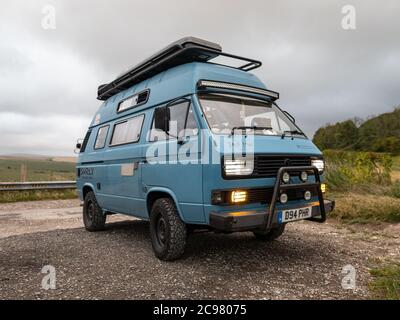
(183, 51)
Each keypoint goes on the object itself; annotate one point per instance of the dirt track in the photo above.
(306, 263)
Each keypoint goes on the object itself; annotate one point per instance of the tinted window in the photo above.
(101, 138)
(191, 125)
(85, 141)
(178, 115)
(182, 123)
(127, 131)
(157, 134)
(134, 101)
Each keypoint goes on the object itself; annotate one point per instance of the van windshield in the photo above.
(227, 113)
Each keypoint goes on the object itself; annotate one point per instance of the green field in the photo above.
(37, 170)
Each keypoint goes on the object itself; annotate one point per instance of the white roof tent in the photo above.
(183, 51)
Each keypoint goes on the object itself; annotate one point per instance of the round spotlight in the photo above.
(283, 198)
(286, 177)
(307, 195)
(304, 176)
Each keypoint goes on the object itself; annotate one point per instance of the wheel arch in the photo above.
(157, 193)
(86, 189)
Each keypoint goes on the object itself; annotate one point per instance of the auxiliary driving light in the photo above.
(307, 195)
(283, 198)
(323, 187)
(286, 177)
(304, 176)
(238, 196)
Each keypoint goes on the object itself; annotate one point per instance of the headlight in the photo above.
(319, 164)
(238, 167)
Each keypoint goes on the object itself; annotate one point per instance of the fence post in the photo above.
(24, 172)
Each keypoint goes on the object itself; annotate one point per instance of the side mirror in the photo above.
(161, 119)
(290, 116)
(78, 146)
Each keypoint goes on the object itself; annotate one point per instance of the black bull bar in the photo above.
(281, 186)
(267, 219)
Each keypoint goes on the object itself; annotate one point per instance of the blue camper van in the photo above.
(189, 141)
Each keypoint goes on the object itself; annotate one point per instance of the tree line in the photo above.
(377, 134)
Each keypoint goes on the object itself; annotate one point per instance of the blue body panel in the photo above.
(189, 185)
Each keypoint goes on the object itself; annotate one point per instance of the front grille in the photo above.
(268, 166)
(264, 195)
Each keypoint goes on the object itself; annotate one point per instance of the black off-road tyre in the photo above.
(167, 231)
(271, 234)
(93, 217)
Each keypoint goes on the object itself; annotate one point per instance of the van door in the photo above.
(122, 188)
(181, 171)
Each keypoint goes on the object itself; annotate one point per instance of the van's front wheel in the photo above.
(93, 217)
(167, 231)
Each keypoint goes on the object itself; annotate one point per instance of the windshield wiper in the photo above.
(249, 127)
(292, 133)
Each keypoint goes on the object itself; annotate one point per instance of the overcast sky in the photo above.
(49, 77)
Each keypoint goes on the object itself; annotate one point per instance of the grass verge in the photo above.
(366, 208)
(386, 282)
(396, 163)
(16, 196)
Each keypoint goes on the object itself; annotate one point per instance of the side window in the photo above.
(155, 133)
(133, 101)
(127, 131)
(177, 120)
(101, 138)
(85, 141)
(191, 125)
(181, 123)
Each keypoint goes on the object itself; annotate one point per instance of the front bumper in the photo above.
(253, 219)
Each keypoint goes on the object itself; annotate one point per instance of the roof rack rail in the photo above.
(183, 51)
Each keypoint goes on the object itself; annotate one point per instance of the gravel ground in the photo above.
(118, 263)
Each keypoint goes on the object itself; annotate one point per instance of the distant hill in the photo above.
(22, 156)
(377, 134)
(65, 159)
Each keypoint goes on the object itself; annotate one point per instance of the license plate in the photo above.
(294, 214)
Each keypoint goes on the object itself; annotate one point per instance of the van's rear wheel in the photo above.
(93, 217)
(167, 231)
(271, 234)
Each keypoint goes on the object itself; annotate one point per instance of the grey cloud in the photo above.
(324, 74)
